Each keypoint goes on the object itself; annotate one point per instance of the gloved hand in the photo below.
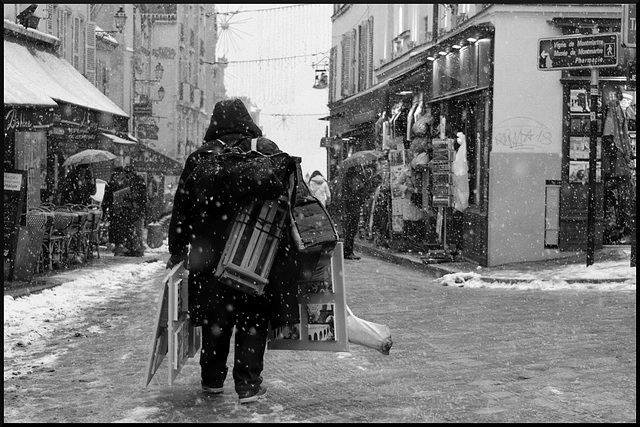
(175, 260)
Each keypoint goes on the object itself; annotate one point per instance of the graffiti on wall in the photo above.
(522, 134)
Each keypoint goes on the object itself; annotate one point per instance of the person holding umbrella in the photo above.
(358, 181)
(115, 209)
(79, 185)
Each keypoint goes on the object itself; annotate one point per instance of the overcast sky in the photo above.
(279, 85)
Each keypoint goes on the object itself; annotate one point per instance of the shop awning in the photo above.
(35, 75)
(17, 91)
(118, 140)
(410, 83)
(362, 107)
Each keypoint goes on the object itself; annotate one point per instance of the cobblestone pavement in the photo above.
(459, 355)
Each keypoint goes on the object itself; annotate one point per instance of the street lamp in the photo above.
(159, 72)
(161, 93)
(120, 19)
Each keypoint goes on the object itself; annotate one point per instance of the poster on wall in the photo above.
(579, 172)
(579, 147)
(323, 316)
(578, 101)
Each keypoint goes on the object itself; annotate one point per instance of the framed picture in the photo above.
(323, 313)
(578, 101)
(580, 124)
(579, 147)
(578, 172)
(174, 334)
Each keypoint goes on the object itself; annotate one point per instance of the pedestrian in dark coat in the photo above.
(135, 245)
(356, 186)
(79, 185)
(116, 211)
(201, 237)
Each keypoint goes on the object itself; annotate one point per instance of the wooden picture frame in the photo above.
(174, 334)
(323, 314)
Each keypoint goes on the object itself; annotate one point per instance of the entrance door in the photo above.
(31, 156)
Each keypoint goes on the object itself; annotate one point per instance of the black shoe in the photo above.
(212, 389)
(352, 256)
(251, 396)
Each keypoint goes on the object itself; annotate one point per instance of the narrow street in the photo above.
(459, 355)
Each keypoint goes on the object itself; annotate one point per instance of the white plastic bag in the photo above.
(368, 334)
(460, 170)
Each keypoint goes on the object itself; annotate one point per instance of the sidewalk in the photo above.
(612, 264)
(50, 279)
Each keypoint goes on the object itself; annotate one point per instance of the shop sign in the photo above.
(79, 116)
(73, 134)
(147, 131)
(574, 52)
(142, 109)
(26, 119)
(629, 25)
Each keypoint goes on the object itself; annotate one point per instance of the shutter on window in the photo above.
(370, 53)
(90, 54)
(344, 86)
(332, 73)
(63, 34)
(362, 56)
(50, 18)
(353, 63)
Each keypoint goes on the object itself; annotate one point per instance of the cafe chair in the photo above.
(57, 240)
(40, 219)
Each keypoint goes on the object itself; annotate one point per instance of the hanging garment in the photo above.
(460, 169)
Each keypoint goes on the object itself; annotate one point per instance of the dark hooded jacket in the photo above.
(202, 235)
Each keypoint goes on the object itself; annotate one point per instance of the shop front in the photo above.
(353, 124)
(161, 174)
(51, 112)
(79, 113)
(460, 100)
(454, 87)
(540, 135)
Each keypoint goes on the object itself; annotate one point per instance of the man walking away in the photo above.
(200, 238)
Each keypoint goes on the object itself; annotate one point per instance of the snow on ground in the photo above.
(29, 320)
(570, 277)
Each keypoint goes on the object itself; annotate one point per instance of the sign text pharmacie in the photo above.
(582, 51)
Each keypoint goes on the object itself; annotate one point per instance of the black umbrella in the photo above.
(362, 158)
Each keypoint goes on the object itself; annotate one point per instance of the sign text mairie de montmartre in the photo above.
(570, 52)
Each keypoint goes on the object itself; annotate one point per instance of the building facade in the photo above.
(40, 136)
(475, 68)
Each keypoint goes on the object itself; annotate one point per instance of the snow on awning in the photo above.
(17, 90)
(118, 140)
(46, 74)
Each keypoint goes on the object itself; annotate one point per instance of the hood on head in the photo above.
(231, 116)
(318, 179)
